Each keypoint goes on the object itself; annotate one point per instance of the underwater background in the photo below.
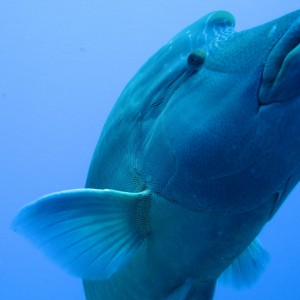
(63, 64)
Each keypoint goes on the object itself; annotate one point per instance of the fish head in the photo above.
(226, 137)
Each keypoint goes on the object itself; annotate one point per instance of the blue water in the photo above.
(62, 66)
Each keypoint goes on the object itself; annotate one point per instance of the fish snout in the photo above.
(281, 74)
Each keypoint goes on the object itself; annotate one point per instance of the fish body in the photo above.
(197, 155)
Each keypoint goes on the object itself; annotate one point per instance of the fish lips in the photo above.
(281, 74)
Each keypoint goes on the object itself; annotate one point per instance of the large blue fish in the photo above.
(197, 155)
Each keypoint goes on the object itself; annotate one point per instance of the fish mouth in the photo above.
(281, 71)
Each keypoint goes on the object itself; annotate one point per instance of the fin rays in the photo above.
(91, 233)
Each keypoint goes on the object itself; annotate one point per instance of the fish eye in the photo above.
(196, 59)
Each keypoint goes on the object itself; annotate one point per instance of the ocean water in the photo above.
(62, 66)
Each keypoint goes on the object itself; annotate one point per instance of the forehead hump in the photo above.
(213, 27)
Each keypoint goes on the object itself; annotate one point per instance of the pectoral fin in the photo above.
(89, 232)
(247, 268)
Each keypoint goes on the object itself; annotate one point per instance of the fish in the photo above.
(197, 155)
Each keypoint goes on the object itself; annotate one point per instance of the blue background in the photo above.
(62, 66)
